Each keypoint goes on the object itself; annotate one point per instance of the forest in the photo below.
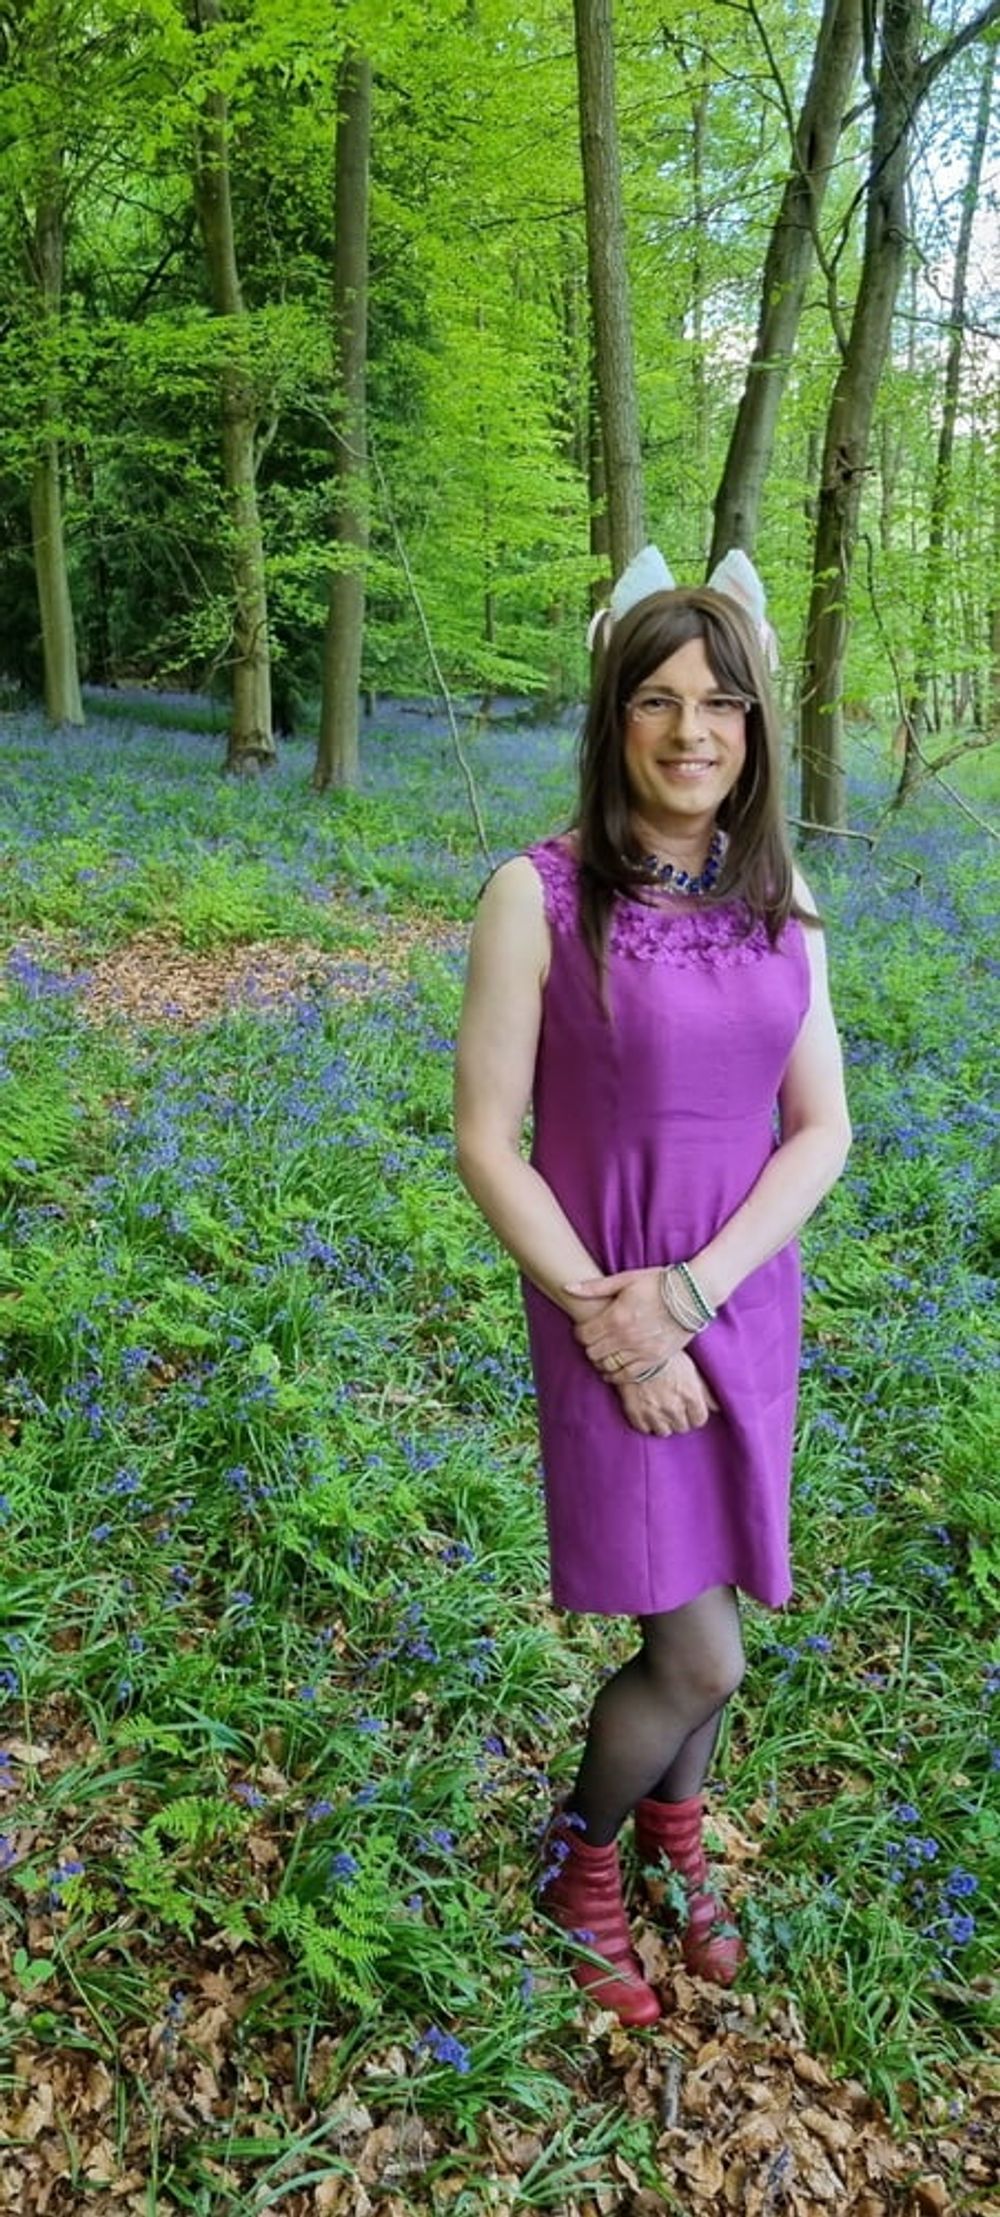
(327, 340)
(348, 351)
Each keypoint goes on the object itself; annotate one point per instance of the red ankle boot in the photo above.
(669, 1832)
(581, 1890)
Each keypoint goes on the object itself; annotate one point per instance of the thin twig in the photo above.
(959, 799)
(833, 831)
(952, 754)
(464, 765)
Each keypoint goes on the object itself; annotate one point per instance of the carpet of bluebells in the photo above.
(278, 1678)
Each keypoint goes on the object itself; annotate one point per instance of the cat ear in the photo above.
(646, 573)
(736, 577)
(599, 627)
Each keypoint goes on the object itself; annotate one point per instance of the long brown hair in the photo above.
(757, 867)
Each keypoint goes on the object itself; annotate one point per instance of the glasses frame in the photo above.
(735, 704)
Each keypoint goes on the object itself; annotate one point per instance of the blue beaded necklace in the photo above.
(673, 880)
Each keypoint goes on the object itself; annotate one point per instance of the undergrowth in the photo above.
(278, 1677)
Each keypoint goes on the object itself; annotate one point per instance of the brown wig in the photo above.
(757, 867)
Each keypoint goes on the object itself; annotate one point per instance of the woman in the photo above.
(655, 983)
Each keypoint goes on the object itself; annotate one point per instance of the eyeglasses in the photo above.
(714, 709)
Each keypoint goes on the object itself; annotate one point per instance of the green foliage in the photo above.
(38, 1126)
(340, 1944)
(479, 369)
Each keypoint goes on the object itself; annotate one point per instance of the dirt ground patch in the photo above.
(153, 979)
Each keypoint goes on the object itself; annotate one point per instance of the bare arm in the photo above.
(815, 1136)
(497, 1045)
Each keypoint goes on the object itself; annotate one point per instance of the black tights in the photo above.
(654, 1725)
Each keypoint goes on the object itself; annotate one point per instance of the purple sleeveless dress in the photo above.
(651, 1129)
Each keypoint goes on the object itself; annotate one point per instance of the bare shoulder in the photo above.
(514, 888)
(510, 919)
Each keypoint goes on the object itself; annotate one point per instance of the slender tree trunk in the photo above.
(337, 758)
(903, 83)
(992, 717)
(787, 269)
(608, 269)
(916, 708)
(63, 702)
(597, 486)
(251, 739)
(699, 382)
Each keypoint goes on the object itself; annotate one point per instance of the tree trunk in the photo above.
(251, 739)
(63, 703)
(608, 270)
(915, 723)
(787, 269)
(903, 83)
(337, 756)
(699, 381)
(597, 487)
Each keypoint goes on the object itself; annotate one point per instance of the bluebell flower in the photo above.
(444, 2047)
(961, 1928)
(317, 1810)
(68, 1866)
(343, 1865)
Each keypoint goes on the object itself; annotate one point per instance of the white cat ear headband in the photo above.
(647, 573)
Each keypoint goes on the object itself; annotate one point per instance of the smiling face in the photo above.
(682, 757)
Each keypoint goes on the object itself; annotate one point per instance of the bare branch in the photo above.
(463, 761)
(935, 63)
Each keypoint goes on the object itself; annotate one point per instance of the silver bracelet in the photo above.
(678, 1302)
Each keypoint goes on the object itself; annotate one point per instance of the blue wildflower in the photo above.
(344, 1865)
(444, 2047)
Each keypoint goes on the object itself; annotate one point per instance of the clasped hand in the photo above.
(632, 1331)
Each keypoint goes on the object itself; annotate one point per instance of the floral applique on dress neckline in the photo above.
(718, 936)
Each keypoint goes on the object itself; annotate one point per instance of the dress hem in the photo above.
(663, 1608)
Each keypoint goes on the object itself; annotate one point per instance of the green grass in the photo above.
(281, 1689)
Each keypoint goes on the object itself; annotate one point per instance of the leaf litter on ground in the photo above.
(234, 2100)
